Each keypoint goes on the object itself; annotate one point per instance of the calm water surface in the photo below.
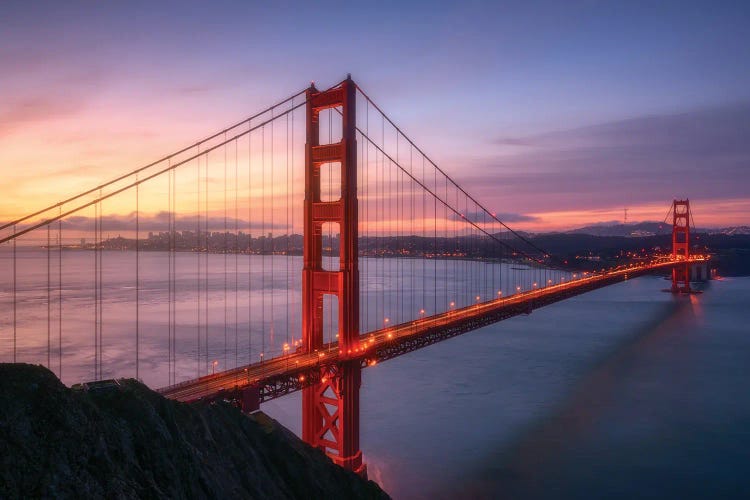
(625, 392)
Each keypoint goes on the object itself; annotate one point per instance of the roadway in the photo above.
(292, 371)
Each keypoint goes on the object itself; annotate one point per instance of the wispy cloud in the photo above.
(33, 109)
(701, 153)
(160, 222)
(482, 217)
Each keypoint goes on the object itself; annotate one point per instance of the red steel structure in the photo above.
(681, 245)
(330, 407)
(326, 370)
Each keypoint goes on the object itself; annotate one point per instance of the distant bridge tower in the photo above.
(681, 245)
(330, 408)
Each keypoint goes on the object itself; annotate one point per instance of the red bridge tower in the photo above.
(681, 245)
(330, 408)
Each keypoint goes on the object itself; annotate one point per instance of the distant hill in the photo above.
(641, 229)
(638, 229)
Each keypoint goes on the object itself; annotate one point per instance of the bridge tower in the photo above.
(330, 408)
(681, 245)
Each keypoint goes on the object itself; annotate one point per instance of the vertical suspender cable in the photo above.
(170, 333)
(101, 287)
(97, 283)
(271, 329)
(15, 293)
(434, 242)
(236, 251)
(330, 229)
(205, 264)
(424, 241)
(249, 247)
(286, 212)
(49, 301)
(59, 296)
(137, 279)
(412, 236)
(366, 157)
(198, 265)
(291, 208)
(224, 251)
(263, 239)
(174, 276)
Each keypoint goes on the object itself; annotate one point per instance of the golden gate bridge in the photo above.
(357, 203)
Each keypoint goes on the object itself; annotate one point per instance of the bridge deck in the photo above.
(278, 376)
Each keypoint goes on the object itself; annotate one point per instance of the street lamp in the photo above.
(213, 366)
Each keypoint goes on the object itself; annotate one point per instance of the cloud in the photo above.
(195, 89)
(480, 217)
(701, 153)
(514, 141)
(48, 92)
(160, 222)
(33, 109)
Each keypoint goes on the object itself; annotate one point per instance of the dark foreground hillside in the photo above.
(132, 443)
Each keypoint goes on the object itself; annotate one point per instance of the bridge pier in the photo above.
(250, 399)
(330, 408)
(681, 245)
(700, 272)
(331, 415)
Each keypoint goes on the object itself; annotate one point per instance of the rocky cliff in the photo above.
(129, 442)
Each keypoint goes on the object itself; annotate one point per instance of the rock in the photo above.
(133, 443)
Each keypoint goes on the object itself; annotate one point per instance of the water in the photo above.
(625, 392)
(620, 393)
(215, 328)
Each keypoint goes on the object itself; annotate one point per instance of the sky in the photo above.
(554, 114)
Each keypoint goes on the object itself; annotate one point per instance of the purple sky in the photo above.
(555, 114)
